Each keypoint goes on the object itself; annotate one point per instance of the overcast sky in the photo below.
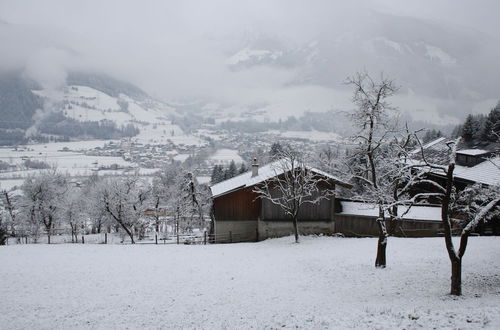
(179, 50)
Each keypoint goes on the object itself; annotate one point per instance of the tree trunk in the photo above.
(129, 232)
(3, 236)
(296, 229)
(48, 237)
(380, 261)
(456, 277)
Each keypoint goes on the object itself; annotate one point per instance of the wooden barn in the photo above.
(358, 219)
(240, 215)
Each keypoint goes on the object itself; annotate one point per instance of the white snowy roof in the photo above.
(487, 172)
(431, 145)
(424, 213)
(266, 172)
(472, 152)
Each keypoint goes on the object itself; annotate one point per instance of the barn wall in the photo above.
(280, 228)
(235, 231)
(239, 205)
(236, 216)
(357, 225)
(324, 210)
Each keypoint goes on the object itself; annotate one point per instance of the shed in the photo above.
(358, 219)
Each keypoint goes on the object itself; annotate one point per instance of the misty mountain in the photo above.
(452, 65)
(88, 105)
(444, 70)
(106, 84)
(17, 102)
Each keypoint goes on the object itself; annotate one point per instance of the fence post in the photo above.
(256, 234)
(177, 230)
(231, 236)
(105, 238)
(83, 239)
(205, 238)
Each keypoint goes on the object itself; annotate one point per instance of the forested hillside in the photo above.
(26, 116)
(17, 107)
(480, 129)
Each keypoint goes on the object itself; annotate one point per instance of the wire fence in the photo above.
(117, 238)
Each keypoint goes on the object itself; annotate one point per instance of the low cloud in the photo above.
(179, 50)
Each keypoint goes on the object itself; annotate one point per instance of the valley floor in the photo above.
(320, 283)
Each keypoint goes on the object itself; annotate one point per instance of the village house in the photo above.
(240, 215)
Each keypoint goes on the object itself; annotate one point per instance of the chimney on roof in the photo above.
(255, 167)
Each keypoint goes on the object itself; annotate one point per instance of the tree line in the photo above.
(480, 128)
(221, 173)
(130, 205)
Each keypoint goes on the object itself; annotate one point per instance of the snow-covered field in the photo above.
(316, 136)
(320, 283)
(225, 156)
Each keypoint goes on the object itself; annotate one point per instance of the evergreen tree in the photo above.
(431, 135)
(480, 122)
(217, 174)
(276, 150)
(491, 125)
(243, 168)
(231, 170)
(468, 129)
(457, 131)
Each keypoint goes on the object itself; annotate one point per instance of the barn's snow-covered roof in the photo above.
(437, 144)
(265, 172)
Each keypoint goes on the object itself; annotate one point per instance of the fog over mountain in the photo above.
(279, 57)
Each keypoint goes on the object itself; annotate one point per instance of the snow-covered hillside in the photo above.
(85, 103)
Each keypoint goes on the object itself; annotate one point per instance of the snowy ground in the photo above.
(319, 283)
(225, 156)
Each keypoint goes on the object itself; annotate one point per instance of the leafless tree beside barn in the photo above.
(294, 185)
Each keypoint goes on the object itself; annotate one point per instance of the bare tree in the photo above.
(293, 185)
(43, 195)
(95, 209)
(10, 218)
(71, 211)
(3, 222)
(375, 130)
(3, 230)
(124, 200)
(188, 202)
(475, 204)
(157, 202)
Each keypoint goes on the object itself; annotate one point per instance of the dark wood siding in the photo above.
(312, 212)
(239, 205)
(322, 211)
(358, 225)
